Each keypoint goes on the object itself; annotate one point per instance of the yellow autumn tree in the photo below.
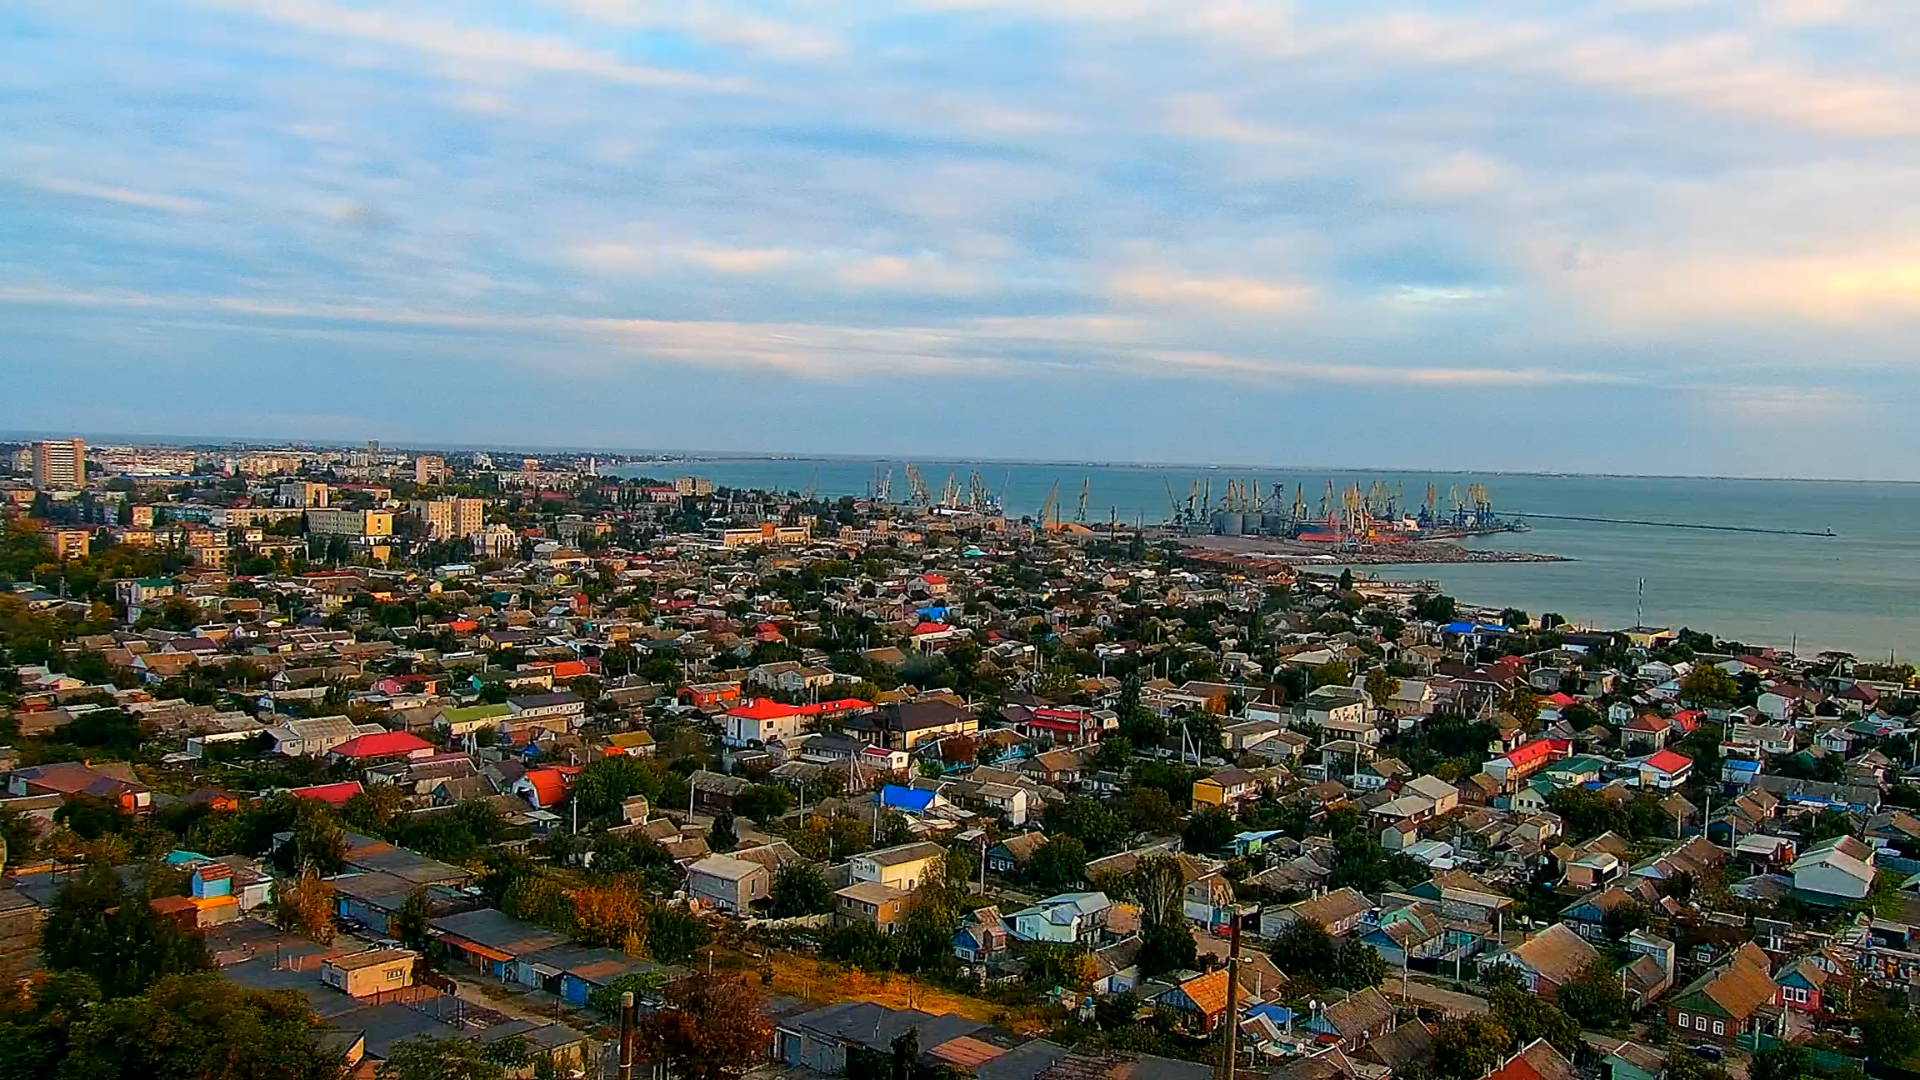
(304, 905)
(614, 915)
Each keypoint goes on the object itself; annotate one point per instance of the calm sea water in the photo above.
(1856, 591)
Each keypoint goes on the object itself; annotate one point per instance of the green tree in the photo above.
(1059, 865)
(1092, 822)
(1786, 1062)
(1166, 947)
(1709, 687)
(1209, 830)
(1594, 999)
(1626, 917)
(763, 803)
(1891, 1036)
(800, 890)
(200, 1025)
(1358, 966)
(1381, 686)
(426, 1058)
(675, 937)
(1332, 673)
(411, 925)
(1150, 811)
(114, 937)
(1527, 1018)
(1304, 949)
(721, 836)
(1470, 1047)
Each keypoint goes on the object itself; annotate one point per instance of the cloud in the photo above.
(1715, 73)
(923, 273)
(471, 53)
(143, 200)
(786, 40)
(1377, 377)
(1461, 175)
(1847, 288)
(615, 257)
(1430, 296)
(1243, 294)
(1782, 406)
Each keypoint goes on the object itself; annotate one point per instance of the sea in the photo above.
(1856, 590)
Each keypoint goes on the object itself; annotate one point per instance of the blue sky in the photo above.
(1647, 235)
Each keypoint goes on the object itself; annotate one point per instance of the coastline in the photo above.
(1411, 553)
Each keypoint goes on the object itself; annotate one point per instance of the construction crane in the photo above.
(1086, 489)
(1048, 508)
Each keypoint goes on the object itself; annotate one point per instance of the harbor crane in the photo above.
(1086, 489)
(1051, 506)
(916, 486)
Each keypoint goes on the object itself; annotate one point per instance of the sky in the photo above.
(1674, 236)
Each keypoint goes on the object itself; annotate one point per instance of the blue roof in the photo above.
(1260, 835)
(1742, 765)
(905, 798)
(1279, 1014)
(180, 857)
(1475, 628)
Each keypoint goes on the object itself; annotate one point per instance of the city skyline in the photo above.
(1664, 237)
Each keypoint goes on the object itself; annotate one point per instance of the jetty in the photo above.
(1681, 525)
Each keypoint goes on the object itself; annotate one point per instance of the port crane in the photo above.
(916, 486)
(883, 490)
(1086, 489)
(1049, 508)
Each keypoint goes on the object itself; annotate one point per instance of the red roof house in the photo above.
(1665, 770)
(334, 795)
(386, 744)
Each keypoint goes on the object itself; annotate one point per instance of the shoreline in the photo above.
(1412, 553)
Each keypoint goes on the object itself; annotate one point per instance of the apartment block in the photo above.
(60, 465)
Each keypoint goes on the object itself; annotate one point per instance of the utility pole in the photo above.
(1230, 1064)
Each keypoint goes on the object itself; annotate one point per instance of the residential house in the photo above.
(1834, 873)
(1066, 919)
(1201, 1002)
(1799, 985)
(875, 903)
(1010, 856)
(982, 936)
(729, 884)
(1228, 788)
(1666, 770)
(902, 867)
(1731, 1000)
(1548, 960)
(369, 972)
(1337, 912)
(1357, 1019)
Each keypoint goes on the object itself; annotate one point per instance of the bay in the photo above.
(1855, 590)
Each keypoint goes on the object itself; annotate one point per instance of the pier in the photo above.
(1680, 525)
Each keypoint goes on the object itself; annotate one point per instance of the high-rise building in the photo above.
(429, 469)
(451, 518)
(60, 465)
